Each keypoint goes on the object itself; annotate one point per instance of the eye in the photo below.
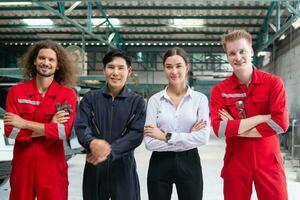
(168, 67)
(231, 54)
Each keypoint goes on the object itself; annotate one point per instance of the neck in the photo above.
(177, 89)
(245, 76)
(43, 83)
(114, 91)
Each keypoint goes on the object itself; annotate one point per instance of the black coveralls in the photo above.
(120, 123)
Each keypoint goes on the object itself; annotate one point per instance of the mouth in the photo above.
(115, 79)
(44, 67)
(239, 64)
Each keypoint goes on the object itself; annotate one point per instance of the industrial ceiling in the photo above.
(144, 23)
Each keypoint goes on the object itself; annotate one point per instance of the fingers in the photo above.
(199, 125)
(61, 117)
(91, 158)
(225, 115)
(10, 118)
(148, 130)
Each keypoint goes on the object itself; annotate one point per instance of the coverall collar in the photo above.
(123, 93)
(51, 91)
(235, 83)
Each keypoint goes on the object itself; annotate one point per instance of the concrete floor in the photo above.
(211, 158)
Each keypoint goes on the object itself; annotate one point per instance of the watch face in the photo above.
(168, 136)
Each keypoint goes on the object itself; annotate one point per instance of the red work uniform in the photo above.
(249, 160)
(39, 168)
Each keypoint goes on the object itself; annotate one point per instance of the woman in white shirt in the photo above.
(177, 122)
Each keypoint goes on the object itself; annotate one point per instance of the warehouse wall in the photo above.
(286, 64)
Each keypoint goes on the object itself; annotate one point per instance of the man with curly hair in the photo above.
(39, 124)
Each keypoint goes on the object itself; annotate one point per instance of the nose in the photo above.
(173, 70)
(238, 56)
(115, 71)
(46, 62)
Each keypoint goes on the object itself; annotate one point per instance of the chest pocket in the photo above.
(232, 108)
(49, 113)
(27, 111)
(261, 104)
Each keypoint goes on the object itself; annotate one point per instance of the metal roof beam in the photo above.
(264, 33)
(223, 17)
(125, 7)
(284, 27)
(68, 39)
(51, 10)
(61, 7)
(126, 26)
(122, 32)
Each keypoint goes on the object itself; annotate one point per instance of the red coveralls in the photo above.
(249, 160)
(39, 168)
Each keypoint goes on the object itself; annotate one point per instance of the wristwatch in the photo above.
(168, 137)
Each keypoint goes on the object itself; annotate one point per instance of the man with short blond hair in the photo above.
(249, 108)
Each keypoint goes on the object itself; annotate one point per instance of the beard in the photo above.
(45, 74)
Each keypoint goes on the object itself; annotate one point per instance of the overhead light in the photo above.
(111, 37)
(14, 3)
(282, 37)
(72, 7)
(188, 23)
(296, 24)
(54, 36)
(273, 27)
(263, 53)
(38, 21)
(101, 21)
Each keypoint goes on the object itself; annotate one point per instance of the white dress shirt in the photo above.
(162, 113)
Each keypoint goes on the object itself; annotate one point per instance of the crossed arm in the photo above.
(38, 129)
(247, 126)
(154, 132)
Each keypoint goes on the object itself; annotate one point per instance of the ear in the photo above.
(187, 68)
(129, 71)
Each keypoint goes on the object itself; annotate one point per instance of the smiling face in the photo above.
(46, 63)
(239, 53)
(116, 73)
(175, 69)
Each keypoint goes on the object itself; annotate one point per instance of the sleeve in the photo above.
(184, 141)
(10, 131)
(180, 141)
(134, 136)
(221, 128)
(63, 131)
(278, 109)
(83, 126)
(153, 144)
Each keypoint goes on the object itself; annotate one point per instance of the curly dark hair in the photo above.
(68, 70)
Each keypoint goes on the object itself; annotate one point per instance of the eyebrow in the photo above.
(167, 64)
